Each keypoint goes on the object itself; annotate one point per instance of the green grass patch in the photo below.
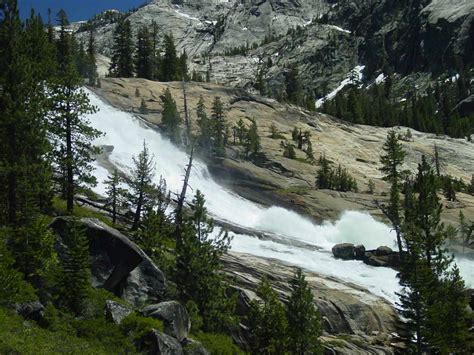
(218, 344)
(80, 211)
(298, 189)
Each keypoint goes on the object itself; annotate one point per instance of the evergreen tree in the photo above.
(141, 184)
(252, 142)
(304, 326)
(170, 63)
(144, 54)
(170, 116)
(289, 151)
(268, 327)
(71, 132)
(293, 86)
(75, 265)
(115, 193)
(218, 126)
(92, 74)
(392, 159)
(183, 67)
(121, 64)
(198, 268)
(205, 130)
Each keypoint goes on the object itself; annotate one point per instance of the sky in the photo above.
(76, 10)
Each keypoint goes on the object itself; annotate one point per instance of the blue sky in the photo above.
(76, 9)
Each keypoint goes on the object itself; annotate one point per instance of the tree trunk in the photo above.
(138, 212)
(182, 197)
(69, 164)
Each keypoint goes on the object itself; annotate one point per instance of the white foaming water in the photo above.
(126, 134)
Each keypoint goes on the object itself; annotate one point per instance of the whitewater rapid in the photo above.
(290, 234)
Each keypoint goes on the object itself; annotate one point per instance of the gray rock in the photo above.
(116, 312)
(343, 251)
(359, 252)
(159, 343)
(117, 264)
(376, 261)
(383, 250)
(31, 310)
(174, 316)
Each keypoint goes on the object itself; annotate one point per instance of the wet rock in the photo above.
(359, 252)
(343, 251)
(116, 312)
(159, 343)
(383, 250)
(117, 264)
(174, 316)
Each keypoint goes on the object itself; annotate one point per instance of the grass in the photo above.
(217, 344)
(80, 211)
(298, 189)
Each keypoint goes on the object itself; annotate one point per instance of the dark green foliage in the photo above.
(170, 66)
(142, 189)
(115, 194)
(218, 344)
(337, 179)
(289, 150)
(91, 73)
(218, 125)
(435, 111)
(204, 138)
(75, 270)
(267, 322)
(252, 140)
(304, 328)
(25, 61)
(170, 116)
(198, 266)
(392, 159)
(121, 65)
(293, 86)
(144, 54)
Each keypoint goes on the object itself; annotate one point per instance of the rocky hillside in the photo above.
(325, 39)
(291, 182)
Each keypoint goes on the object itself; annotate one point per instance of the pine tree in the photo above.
(141, 184)
(92, 74)
(24, 170)
(183, 67)
(205, 130)
(197, 269)
(170, 116)
(392, 160)
(71, 132)
(293, 86)
(121, 64)
(218, 126)
(304, 326)
(252, 143)
(170, 62)
(267, 322)
(75, 265)
(115, 193)
(144, 54)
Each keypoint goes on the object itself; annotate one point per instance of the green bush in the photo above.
(218, 344)
(136, 326)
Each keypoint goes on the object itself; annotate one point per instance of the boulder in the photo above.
(159, 343)
(31, 311)
(174, 316)
(116, 312)
(376, 261)
(117, 264)
(343, 251)
(383, 250)
(193, 347)
(359, 252)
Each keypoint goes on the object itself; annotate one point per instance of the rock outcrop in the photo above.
(117, 264)
(159, 343)
(174, 316)
(116, 312)
(382, 256)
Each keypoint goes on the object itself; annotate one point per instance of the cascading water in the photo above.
(291, 238)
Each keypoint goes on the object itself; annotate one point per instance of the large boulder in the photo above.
(116, 312)
(117, 264)
(157, 343)
(359, 252)
(174, 316)
(31, 311)
(344, 251)
(383, 250)
(193, 347)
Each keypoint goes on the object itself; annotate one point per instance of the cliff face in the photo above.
(325, 39)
